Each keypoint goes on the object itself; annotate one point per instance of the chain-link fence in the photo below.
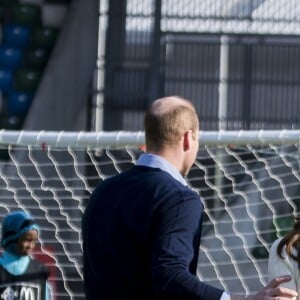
(237, 60)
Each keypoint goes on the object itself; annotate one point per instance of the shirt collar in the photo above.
(155, 161)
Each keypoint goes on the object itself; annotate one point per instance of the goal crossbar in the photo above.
(119, 139)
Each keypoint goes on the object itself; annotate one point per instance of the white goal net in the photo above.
(249, 182)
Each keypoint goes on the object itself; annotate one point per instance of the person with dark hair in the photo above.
(284, 257)
(142, 228)
(21, 276)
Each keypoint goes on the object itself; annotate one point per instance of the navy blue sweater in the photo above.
(141, 238)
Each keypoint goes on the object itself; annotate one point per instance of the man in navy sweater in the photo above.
(142, 228)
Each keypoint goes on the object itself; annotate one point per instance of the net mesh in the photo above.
(250, 190)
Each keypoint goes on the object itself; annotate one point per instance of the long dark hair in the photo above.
(291, 242)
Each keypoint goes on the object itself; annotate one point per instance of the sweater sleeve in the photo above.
(175, 246)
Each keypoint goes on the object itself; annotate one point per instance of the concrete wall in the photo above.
(61, 100)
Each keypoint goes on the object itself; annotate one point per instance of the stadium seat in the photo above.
(36, 2)
(284, 224)
(15, 35)
(10, 122)
(6, 79)
(27, 80)
(36, 58)
(58, 1)
(2, 14)
(6, 10)
(260, 252)
(44, 37)
(10, 56)
(18, 103)
(8, 2)
(26, 14)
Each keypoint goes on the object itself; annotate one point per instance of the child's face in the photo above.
(26, 243)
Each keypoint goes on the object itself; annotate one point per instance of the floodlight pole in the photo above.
(99, 76)
(223, 82)
(222, 109)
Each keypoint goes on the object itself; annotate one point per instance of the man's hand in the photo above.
(272, 291)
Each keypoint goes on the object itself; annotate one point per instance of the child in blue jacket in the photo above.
(21, 276)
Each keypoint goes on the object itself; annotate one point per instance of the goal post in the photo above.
(249, 183)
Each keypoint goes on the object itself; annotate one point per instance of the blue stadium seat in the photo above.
(6, 79)
(16, 35)
(18, 103)
(10, 57)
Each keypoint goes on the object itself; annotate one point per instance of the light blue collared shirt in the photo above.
(155, 161)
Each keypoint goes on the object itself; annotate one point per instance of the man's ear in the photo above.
(187, 140)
